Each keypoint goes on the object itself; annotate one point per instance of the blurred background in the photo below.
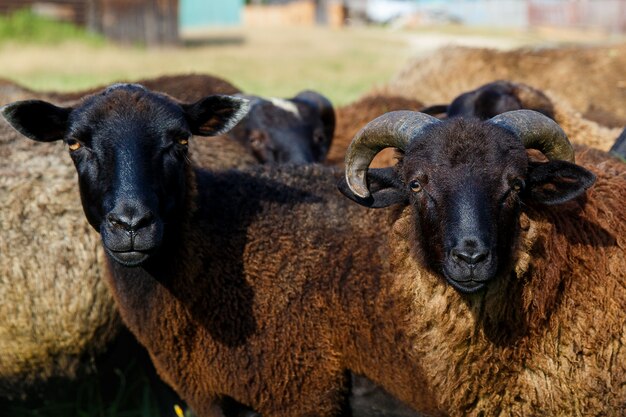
(343, 49)
(274, 47)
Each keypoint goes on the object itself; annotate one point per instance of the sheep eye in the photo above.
(74, 145)
(415, 186)
(517, 185)
(182, 141)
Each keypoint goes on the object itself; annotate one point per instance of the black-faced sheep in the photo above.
(579, 129)
(254, 286)
(55, 330)
(202, 263)
(298, 130)
(495, 98)
(59, 332)
(591, 79)
(519, 304)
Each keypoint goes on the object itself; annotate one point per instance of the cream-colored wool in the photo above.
(592, 79)
(57, 312)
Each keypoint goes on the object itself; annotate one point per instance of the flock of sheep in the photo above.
(281, 274)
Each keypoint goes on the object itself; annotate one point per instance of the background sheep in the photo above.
(578, 129)
(525, 340)
(495, 98)
(298, 130)
(590, 78)
(61, 313)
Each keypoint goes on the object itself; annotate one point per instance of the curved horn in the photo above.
(537, 131)
(394, 129)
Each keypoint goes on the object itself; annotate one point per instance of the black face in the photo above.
(280, 131)
(129, 146)
(467, 204)
(499, 97)
(465, 181)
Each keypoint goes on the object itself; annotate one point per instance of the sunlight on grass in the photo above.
(342, 64)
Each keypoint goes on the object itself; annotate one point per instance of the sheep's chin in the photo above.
(129, 258)
(467, 287)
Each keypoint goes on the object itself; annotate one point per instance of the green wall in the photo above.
(206, 13)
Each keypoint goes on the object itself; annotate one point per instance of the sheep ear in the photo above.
(37, 120)
(324, 107)
(385, 188)
(215, 115)
(556, 182)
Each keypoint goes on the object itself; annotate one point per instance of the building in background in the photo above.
(195, 14)
(157, 22)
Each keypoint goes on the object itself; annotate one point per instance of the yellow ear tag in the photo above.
(178, 411)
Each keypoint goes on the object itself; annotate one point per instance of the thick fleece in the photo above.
(58, 312)
(547, 340)
(591, 78)
(271, 292)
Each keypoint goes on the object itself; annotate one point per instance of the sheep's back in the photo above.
(590, 78)
(58, 309)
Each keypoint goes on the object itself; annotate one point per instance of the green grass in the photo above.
(24, 26)
(279, 62)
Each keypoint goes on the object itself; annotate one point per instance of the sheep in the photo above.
(55, 332)
(32, 350)
(515, 266)
(495, 98)
(252, 286)
(578, 129)
(61, 313)
(590, 78)
(498, 97)
(298, 130)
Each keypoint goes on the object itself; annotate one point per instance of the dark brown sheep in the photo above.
(222, 307)
(517, 312)
(495, 98)
(55, 331)
(578, 128)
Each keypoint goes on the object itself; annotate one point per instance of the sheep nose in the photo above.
(471, 252)
(130, 220)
